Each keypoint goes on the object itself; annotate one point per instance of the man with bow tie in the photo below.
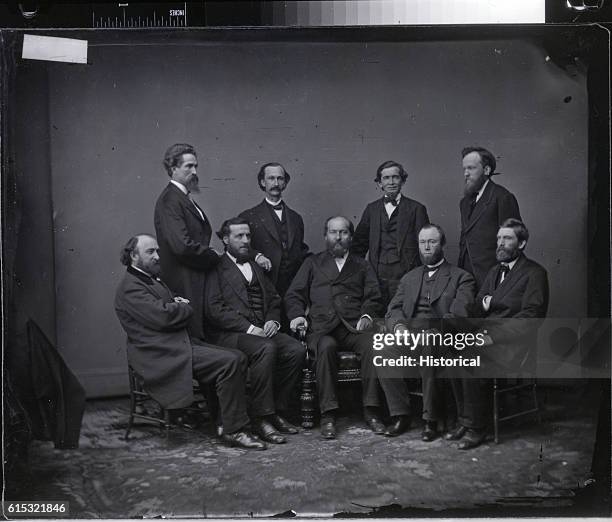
(161, 351)
(184, 233)
(484, 208)
(341, 294)
(388, 229)
(427, 298)
(513, 299)
(243, 313)
(277, 231)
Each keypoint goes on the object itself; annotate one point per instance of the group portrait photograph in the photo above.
(307, 272)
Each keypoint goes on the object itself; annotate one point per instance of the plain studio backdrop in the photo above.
(91, 139)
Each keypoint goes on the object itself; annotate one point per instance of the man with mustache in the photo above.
(243, 313)
(426, 296)
(277, 231)
(184, 233)
(341, 292)
(388, 230)
(484, 208)
(161, 351)
(513, 296)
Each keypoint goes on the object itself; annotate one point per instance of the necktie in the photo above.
(392, 200)
(503, 272)
(472, 204)
(278, 207)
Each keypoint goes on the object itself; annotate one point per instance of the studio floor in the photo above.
(534, 471)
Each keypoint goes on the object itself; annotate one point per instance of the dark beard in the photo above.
(337, 250)
(434, 257)
(243, 258)
(503, 255)
(473, 188)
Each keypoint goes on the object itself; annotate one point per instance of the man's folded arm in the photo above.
(155, 313)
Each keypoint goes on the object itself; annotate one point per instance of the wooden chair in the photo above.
(503, 386)
(144, 407)
(349, 370)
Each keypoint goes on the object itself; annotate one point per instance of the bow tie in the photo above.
(392, 200)
(504, 269)
(278, 206)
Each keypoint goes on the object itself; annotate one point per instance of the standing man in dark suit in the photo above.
(243, 312)
(514, 295)
(341, 292)
(161, 351)
(388, 230)
(184, 233)
(426, 297)
(276, 230)
(484, 207)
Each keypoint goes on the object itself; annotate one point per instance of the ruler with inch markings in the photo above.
(134, 15)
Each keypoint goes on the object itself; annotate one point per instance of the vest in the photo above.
(281, 227)
(256, 301)
(423, 306)
(388, 253)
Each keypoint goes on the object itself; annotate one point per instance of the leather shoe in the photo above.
(400, 424)
(472, 439)
(242, 439)
(265, 431)
(328, 428)
(430, 431)
(457, 433)
(375, 424)
(282, 425)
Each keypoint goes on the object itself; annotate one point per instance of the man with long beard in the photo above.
(427, 294)
(484, 208)
(184, 232)
(513, 296)
(341, 292)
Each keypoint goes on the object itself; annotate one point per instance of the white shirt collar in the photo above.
(143, 272)
(397, 198)
(479, 194)
(433, 267)
(511, 264)
(272, 203)
(182, 187)
(233, 258)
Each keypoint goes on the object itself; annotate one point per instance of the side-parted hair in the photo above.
(522, 234)
(174, 155)
(388, 164)
(486, 157)
(262, 173)
(128, 249)
(225, 227)
(438, 228)
(350, 224)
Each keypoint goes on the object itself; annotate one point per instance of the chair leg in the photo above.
(166, 425)
(495, 412)
(535, 403)
(132, 403)
(131, 419)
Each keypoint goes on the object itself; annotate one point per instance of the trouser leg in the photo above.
(226, 369)
(290, 356)
(261, 354)
(326, 371)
